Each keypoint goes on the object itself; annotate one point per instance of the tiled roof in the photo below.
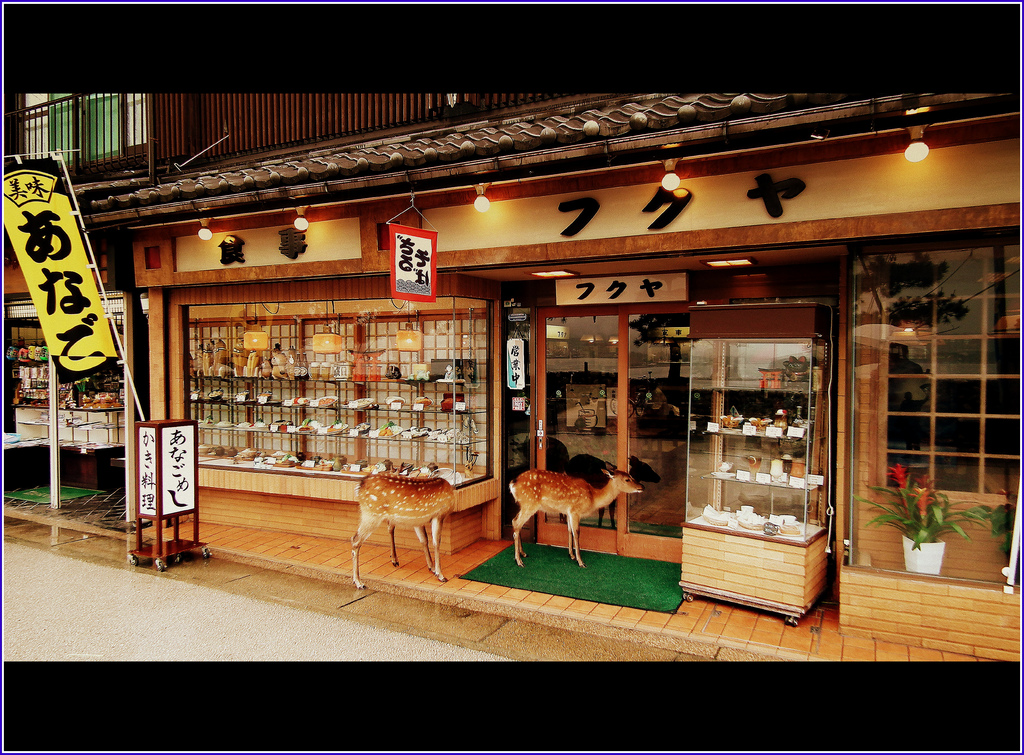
(658, 114)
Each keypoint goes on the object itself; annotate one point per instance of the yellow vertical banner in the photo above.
(40, 222)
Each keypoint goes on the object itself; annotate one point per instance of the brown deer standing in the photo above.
(406, 501)
(558, 493)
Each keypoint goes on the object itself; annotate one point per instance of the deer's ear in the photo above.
(609, 472)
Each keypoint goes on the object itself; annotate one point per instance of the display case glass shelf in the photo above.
(400, 391)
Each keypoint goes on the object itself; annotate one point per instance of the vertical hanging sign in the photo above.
(43, 229)
(413, 263)
(516, 363)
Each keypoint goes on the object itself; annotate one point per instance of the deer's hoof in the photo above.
(360, 586)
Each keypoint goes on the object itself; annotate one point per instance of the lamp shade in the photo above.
(409, 340)
(254, 340)
(326, 343)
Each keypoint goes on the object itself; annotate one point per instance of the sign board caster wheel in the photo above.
(160, 565)
(206, 552)
(688, 597)
(133, 560)
(792, 621)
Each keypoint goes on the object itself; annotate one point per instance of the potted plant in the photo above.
(922, 515)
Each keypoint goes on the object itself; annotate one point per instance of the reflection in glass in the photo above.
(956, 422)
(659, 373)
(958, 356)
(909, 433)
(1002, 396)
(958, 396)
(1002, 436)
(582, 406)
(957, 434)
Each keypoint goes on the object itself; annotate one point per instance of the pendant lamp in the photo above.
(328, 342)
(409, 340)
(255, 339)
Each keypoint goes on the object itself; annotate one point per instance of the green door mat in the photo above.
(42, 495)
(609, 579)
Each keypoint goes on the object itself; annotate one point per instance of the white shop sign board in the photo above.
(167, 463)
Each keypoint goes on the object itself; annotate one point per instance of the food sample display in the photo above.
(327, 388)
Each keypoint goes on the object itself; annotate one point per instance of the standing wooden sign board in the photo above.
(166, 486)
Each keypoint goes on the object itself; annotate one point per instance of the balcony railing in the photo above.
(101, 134)
(96, 133)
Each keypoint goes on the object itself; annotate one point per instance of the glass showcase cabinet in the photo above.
(342, 388)
(758, 456)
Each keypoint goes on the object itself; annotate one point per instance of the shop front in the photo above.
(572, 331)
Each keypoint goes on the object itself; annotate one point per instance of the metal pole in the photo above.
(54, 433)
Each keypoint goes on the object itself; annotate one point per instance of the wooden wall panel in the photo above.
(334, 519)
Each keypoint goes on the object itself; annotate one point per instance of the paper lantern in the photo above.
(409, 340)
(254, 340)
(326, 343)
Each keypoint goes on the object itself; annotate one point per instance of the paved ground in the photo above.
(71, 594)
(58, 608)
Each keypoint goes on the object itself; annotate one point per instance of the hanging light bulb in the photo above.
(481, 203)
(204, 231)
(301, 224)
(670, 181)
(917, 150)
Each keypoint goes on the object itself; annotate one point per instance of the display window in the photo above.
(343, 388)
(936, 343)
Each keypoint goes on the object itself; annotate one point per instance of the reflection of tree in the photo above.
(650, 329)
(886, 279)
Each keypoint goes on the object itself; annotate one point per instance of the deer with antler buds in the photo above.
(407, 501)
(558, 493)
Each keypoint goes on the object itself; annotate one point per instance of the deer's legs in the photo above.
(366, 527)
(394, 553)
(421, 534)
(435, 532)
(517, 524)
(574, 538)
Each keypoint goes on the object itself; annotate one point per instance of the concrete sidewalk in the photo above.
(70, 594)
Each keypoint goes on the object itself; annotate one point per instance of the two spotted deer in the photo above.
(558, 493)
(402, 501)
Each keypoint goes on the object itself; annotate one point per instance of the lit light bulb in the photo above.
(204, 232)
(670, 182)
(916, 151)
(481, 203)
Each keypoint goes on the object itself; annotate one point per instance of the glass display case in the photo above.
(758, 461)
(756, 444)
(343, 388)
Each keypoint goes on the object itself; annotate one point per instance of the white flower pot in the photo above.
(927, 560)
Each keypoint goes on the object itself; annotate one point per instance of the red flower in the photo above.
(924, 497)
(899, 475)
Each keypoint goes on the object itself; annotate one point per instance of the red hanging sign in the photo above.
(413, 254)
